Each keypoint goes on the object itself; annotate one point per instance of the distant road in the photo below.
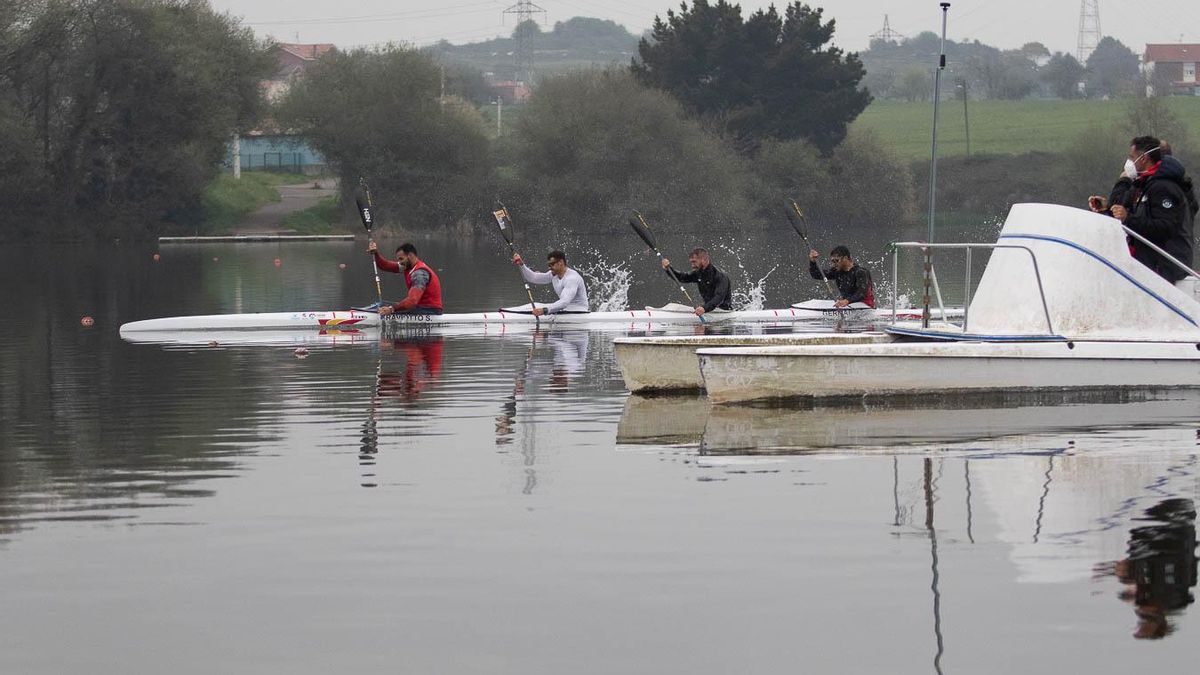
(293, 198)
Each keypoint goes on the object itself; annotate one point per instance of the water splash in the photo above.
(748, 295)
(755, 297)
(607, 283)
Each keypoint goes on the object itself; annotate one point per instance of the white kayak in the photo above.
(671, 314)
(339, 320)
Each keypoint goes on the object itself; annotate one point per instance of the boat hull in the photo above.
(757, 373)
(316, 320)
(634, 317)
(319, 320)
(669, 363)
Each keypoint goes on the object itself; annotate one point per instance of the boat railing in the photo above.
(1175, 261)
(927, 248)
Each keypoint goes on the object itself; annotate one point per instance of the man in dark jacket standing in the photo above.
(1163, 212)
(713, 283)
(853, 282)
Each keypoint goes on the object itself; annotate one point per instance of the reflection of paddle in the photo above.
(504, 221)
(638, 223)
(366, 211)
(800, 224)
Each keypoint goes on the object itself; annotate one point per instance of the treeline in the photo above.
(718, 118)
(902, 70)
(115, 114)
(570, 44)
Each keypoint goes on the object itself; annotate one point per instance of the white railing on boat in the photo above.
(926, 248)
(1175, 261)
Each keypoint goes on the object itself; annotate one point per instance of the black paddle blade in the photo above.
(638, 223)
(796, 217)
(505, 222)
(363, 200)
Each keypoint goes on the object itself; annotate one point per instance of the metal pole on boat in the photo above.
(937, 90)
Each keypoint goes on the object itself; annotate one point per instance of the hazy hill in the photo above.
(580, 41)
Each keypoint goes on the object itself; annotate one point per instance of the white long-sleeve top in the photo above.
(572, 294)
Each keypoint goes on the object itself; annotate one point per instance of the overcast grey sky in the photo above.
(1003, 23)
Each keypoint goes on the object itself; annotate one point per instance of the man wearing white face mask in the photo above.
(1162, 208)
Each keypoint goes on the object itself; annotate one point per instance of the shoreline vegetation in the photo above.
(782, 112)
(227, 201)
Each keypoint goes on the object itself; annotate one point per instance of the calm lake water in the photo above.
(497, 503)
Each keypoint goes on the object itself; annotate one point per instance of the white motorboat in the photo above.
(663, 363)
(1034, 323)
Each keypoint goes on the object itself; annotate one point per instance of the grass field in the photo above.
(226, 201)
(320, 219)
(1003, 127)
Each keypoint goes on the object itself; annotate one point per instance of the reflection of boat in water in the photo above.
(988, 420)
(982, 418)
(663, 420)
(1034, 324)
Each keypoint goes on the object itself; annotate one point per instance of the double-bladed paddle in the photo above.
(366, 211)
(800, 224)
(504, 221)
(639, 225)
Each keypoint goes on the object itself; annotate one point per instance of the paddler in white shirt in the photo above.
(567, 284)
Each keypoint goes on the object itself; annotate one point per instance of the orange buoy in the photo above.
(278, 262)
(341, 266)
(157, 257)
(87, 322)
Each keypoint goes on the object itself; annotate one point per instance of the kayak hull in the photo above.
(336, 320)
(358, 319)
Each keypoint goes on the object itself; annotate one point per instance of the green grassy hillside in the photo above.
(1003, 127)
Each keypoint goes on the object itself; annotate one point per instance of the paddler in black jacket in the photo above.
(853, 282)
(1164, 210)
(713, 283)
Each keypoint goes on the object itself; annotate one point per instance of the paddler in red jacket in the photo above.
(424, 289)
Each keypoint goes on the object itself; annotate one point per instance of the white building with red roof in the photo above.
(1172, 66)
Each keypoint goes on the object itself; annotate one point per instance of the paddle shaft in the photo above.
(367, 214)
(645, 234)
(675, 276)
(803, 235)
(528, 290)
(504, 221)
